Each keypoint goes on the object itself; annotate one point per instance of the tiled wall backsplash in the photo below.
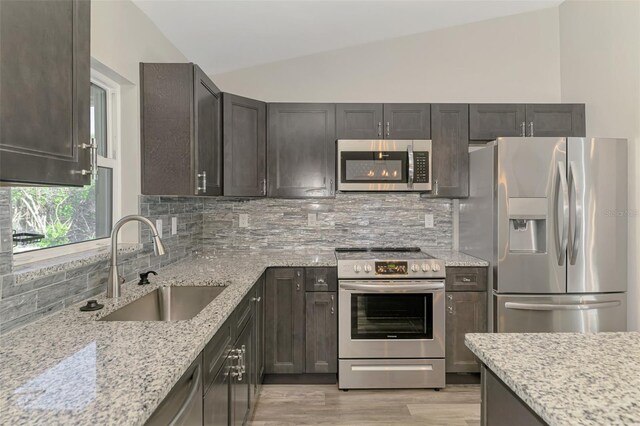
(389, 219)
(213, 223)
(28, 294)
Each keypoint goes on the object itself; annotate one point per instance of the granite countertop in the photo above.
(568, 378)
(455, 258)
(70, 368)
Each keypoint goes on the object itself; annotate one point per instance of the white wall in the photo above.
(122, 36)
(600, 66)
(510, 59)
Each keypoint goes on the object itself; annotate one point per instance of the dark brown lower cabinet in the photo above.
(321, 339)
(501, 407)
(216, 399)
(241, 382)
(466, 313)
(284, 321)
(258, 353)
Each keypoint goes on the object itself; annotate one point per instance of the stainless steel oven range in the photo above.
(390, 318)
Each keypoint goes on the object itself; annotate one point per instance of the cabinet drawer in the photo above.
(321, 279)
(242, 314)
(466, 279)
(216, 352)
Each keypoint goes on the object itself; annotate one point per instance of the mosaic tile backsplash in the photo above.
(212, 223)
(389, 219)
(28, 294)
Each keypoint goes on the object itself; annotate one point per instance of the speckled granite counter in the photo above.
(455, 258)
(568, 378)
(69, 368)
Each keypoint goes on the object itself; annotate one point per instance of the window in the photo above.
(45, 217)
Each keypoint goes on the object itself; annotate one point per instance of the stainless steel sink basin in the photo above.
(166, 304)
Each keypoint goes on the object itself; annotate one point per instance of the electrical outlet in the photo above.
(312, 219)
(428, 220)
(174, 225)
(159, 227)
(243, 220)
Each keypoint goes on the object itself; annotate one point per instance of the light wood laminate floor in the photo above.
(457, 405)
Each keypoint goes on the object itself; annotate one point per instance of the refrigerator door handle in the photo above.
(562, 307)
(561, 242)
(576, 232)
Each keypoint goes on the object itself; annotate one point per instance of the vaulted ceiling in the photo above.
(223, 36)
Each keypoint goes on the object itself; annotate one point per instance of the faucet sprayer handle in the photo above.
(144, 277)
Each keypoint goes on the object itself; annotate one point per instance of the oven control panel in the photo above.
(419, 268)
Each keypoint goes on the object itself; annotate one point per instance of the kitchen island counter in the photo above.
(568, 378)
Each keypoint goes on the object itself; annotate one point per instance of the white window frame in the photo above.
(112, 161)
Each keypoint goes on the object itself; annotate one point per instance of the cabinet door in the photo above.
(245, 149)
(216, 400)
(466, 313)
(450, 145)
(301, 150)
(183, 405)
(359, 121)
(258, 358)
(241, 389)
(321, 332)
(167, 152)
(407, 121)
(556, 120)
(490, 121)
(284, 325)
(208, 146)
(44, 81)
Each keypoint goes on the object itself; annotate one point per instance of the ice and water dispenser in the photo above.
(528, 225)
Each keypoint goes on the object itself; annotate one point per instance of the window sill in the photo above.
(27, 268)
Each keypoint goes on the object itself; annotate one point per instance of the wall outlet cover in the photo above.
(174, 225)
(159, 227)
(428, 220)
(312, 219)
(243, 221)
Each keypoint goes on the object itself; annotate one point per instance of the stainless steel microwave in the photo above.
(384, 165)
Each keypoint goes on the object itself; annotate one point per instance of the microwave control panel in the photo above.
(421, 159)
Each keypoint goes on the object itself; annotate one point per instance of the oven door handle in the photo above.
(394, 288)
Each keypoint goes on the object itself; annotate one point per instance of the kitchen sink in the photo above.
(167, 304)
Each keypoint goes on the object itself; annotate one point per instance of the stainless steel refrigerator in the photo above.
(550, 215)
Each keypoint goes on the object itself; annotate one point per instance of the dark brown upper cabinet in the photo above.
(301, 150)
(359, 121)
(245, 149)
(407, 121)
(180, 130)
(383, 121)
(556, 120)
(490, 121)
(45, 86)
(450, 147)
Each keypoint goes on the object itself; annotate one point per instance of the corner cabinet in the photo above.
(181, 145)
(245, 148)
(45, 84)
(383, 121)
(450, 147)
(301, 150)
(490, 121)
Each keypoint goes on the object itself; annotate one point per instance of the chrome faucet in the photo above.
(114, 280)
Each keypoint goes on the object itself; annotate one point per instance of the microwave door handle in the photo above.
(411, 166)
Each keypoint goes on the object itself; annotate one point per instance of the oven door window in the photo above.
(366, 166)
(392, 316)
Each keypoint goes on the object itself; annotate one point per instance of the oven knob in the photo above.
(367, 268)
(436, 267)
(415, 267)
(357, 268)
(426, 267)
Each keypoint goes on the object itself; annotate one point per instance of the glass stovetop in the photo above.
(363, 253)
